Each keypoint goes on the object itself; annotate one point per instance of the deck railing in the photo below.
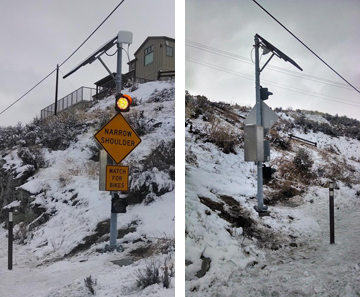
(80, 95)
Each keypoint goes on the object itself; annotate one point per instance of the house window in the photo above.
(149, 58)
(149, 49)
(169, 51)
(149, 55)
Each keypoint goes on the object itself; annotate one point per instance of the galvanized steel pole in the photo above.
(113, 219)
(260, 194)
(118, 70)
(113, 227)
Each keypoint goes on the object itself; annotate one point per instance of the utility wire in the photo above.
(28, 91)
(92, 33)
(67, 80)
(232, 56)
(307, 47)
(65, 59)
(281, 86)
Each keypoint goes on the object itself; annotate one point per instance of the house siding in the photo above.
(160, 60)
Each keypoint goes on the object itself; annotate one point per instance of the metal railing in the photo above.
(80, 95)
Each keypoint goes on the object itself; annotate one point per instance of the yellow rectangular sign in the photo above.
(117, 178)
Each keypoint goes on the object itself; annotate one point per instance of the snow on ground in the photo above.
(305, 264)
(316, 118)
(66, 277)
(68, 187)
(315, 267)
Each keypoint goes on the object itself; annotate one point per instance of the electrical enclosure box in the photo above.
(266, 150)
(254, 143)
(125, 37)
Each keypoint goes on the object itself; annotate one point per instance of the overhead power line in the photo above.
(92, 33)
(65, 59)
(281, 86)
(307, 47)
(242, 59)
(28, 91)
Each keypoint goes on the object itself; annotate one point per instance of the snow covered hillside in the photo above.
(230, 250)
(50, 171)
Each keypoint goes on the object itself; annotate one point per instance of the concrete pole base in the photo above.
(262, 212)
(118, 248)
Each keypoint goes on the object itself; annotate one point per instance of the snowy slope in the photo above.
(68, 189)
(284, 254)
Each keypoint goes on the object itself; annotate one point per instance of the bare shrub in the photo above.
(223, 137)
(57, 132)
(196, 106)
(32, 156)
(332, 149)
(341, 171)
(164, 95)
(303, 161)
(89, 168)
(169, 272)
(90, 284)
(64, 179)
(20, 232)
(353, 158)
(287, 170)
(191, 158)
(149, 275)
(278, 141)
(144, 185)
(140, 123)
(156, 273)
(165, 278)
(103, 118)
(162, 157)
(57, 242)
(283, 192)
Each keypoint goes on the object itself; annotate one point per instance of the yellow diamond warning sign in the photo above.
(117, 138)
(117, 178)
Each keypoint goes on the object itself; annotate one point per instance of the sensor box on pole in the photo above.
(254, 143)
(125, 37)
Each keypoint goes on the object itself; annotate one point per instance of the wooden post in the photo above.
(56, 88)
(10, 242)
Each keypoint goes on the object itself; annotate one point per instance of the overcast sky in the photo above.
(329, 27)
(38, 34)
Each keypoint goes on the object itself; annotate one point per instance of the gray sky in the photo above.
(38, 34)
(329, 27)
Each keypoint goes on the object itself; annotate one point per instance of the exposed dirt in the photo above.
(231, 211)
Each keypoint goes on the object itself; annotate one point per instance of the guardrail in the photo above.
(80, 95)
(302, 140)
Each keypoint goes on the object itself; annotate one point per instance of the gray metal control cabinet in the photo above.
(254, 143)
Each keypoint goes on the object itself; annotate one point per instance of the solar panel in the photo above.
(108, 45)
(276, 51)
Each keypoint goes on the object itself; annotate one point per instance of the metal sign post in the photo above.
(117, 137)
(261, 118)
(113, 227)
(260, 194)
(119, 64)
